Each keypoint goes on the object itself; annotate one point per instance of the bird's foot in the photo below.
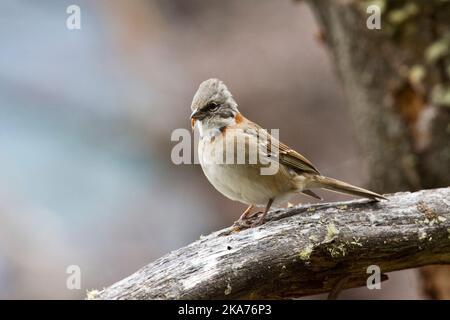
(260, 221)
(242, 224)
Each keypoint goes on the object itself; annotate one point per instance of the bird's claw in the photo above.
(248, 223)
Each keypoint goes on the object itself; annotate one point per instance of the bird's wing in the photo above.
(295, 160)
(311, 194)
(287, 156)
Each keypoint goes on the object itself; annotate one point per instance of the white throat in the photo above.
(209, 130)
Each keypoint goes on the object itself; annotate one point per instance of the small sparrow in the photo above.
(216, 114)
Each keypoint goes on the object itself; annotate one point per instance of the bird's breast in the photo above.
(240, 181)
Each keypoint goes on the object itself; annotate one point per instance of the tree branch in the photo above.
(301, 251)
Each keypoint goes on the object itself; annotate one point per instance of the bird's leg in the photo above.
(241, 222)
(246, 213)
(262, 219)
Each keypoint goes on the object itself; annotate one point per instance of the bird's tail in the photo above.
(343, 187)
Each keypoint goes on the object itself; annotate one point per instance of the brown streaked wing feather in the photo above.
(287, 155)
(295, 160)
(311, 194)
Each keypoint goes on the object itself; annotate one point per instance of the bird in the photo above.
(221, 125)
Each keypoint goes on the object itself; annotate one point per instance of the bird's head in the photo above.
(213, 105)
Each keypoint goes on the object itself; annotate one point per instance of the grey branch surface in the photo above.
(301, 251)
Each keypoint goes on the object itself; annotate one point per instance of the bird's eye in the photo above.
(212, 106)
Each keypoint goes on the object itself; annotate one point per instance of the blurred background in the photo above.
(86, 118)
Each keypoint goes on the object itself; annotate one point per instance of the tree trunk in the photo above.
(397, 84)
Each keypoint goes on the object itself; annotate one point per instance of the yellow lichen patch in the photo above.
(401, 15)
(422, 235)
(305, 254)
(228, 289)
(440, 95)
(438, 49)
(332, 232)
(417, 75)
(337, 250)
(92, 294)
(356, 242)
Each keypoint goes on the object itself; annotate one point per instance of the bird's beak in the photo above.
(194, 118)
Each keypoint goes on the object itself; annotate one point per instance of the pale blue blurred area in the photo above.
(48, 159)
(80, 180)
(42, 55)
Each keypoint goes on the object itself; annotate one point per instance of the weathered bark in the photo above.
(397, 82)
(301, 251)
